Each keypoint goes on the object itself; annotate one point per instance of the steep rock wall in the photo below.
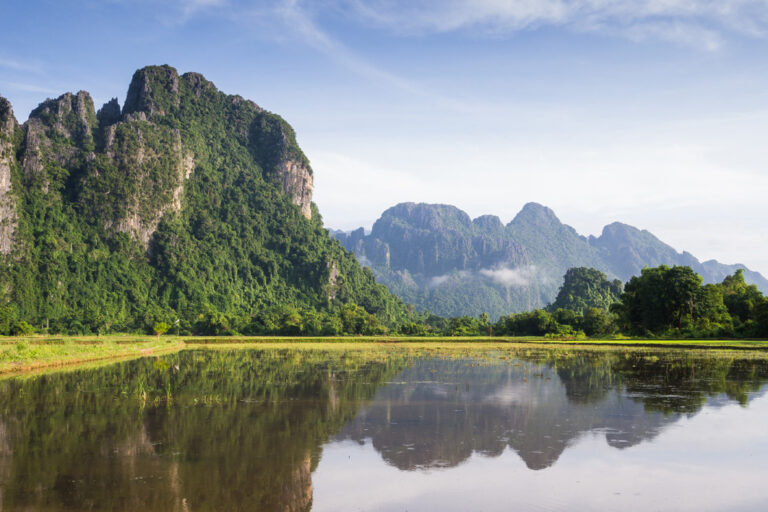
(8, 220)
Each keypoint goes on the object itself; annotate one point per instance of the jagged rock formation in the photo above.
(182, 202)
(439, 259)
(296, 180)
(8, 129)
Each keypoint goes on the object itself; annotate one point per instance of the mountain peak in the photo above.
(535, 213)
(153, 89)
(490, 223)
(80, 104)
(70, 115)
(109, 113)
(620, 233)
(428, 216)
(7, 119)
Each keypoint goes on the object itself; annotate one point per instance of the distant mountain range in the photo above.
(439, 259)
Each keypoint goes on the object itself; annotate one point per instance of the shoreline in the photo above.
(37, 354)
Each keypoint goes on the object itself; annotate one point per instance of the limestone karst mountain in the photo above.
(184, 202)
(439, 259)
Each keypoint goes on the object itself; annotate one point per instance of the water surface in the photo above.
(391, 429)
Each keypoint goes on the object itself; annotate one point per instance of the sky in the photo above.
(649, 112)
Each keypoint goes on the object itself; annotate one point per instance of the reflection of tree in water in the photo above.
(195, 431)
(243, 430)
(441, 411)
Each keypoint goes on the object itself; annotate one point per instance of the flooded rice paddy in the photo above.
(391, 429)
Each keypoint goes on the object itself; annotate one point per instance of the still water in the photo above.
(391, 429)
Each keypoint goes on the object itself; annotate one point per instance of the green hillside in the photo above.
(185, 204)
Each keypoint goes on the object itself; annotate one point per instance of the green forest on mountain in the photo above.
(236, 256)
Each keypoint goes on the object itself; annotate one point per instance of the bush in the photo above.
(21, 329)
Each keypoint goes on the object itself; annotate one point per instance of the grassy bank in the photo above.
(35, 353)
(20, 355)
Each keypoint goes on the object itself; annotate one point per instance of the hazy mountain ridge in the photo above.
(438, 258)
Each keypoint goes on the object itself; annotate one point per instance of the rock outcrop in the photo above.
(296, 180)
(142, 211)
(8, 128)
(273, 145)
(157, 91)
(108, 114)
(59, 133)
(154, 89)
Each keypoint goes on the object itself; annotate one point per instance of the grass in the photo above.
(41, 353)
(539, 340)
(29, 354)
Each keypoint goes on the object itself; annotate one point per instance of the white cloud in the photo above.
(460, 275)
(509, 277)
(17, 65)
(517, 277)
(31, 88)
(700, 23)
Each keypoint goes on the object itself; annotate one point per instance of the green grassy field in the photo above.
(28, 354)
(36, 353)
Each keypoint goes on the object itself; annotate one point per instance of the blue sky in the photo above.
(649, 112)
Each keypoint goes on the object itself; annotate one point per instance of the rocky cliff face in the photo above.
(436, 239)
(157, 91)
(137, 149)
(439, 259)
(185, 201)
(273, 144)
(296, 181)
(141, 146)
(58, 134)
(8, 128)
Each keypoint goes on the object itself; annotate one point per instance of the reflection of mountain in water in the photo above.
(194, 431)
(440, 412)
(244, 430)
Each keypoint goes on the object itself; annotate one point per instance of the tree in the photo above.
(585, 288)
(597, 322)
(743, 302)
(160, 328)
(665, 299)
(761, 316)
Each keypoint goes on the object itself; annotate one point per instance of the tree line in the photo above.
(661, 302)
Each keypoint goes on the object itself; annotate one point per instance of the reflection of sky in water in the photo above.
(714, 460)
(270, 430)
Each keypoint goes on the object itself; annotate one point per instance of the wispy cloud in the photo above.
(506, 276)
(30, 88)
(697, 23)
(517, 277)
(191, 7)
(18, 65)
(298, 19)
(703, 24)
